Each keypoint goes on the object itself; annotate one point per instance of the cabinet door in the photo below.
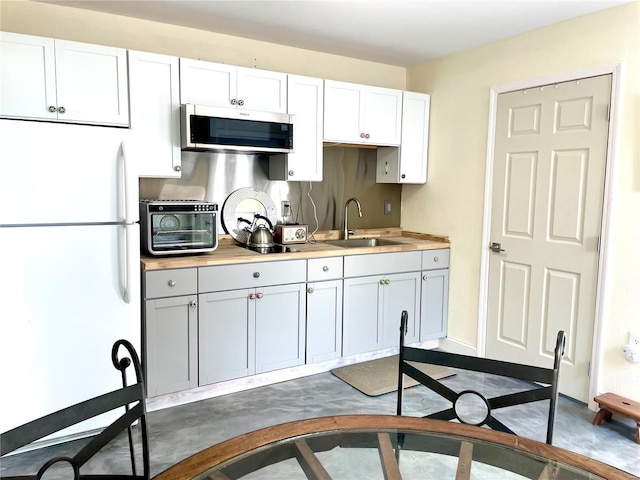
(324, 321)
(171, 356)
(414, 147)
(207, 83)
(305, 100)
(435, 300)
(92, 83)
(261, 90)
(27, 76)
(342, 104)
(155, 112)
(381, 119)
(362, 310)
(226, 343)
(280, 327)
(401, 291)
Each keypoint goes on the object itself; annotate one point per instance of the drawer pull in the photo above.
(436, 259)
(171, 283)
(259, 295)
(256, 274)
(424, 277)
(252, 296)
(325, 269)
(310, 290)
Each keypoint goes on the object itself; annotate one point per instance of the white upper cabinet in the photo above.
(408, 163)
(155, 113)
(220, 85)
(305, 100)
(362, 114)
(59, 80)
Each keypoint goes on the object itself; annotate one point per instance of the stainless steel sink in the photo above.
(362, 242)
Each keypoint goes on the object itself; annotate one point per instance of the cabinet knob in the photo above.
(177, 168)
(436, 259)
(310, 290)
(291, 173)
(241, 102)
(193, 304)
(325, 269)
(256, 274)
(61, 110)
(171, 283)
(366, 135)
(259, 295)
(252, 296)
(424, 277)
(387, 282)
(52, 108)
(403, 176)
(234, 101)
(382, 282)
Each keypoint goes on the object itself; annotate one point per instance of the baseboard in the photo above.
(456, 346)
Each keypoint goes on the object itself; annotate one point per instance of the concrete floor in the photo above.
(178, 432)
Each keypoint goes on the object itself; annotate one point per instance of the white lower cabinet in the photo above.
(435, 294)
(170, 331)
(245, 331)
(373, 304)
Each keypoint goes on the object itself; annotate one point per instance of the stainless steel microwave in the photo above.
(173, 227)
(231, 130)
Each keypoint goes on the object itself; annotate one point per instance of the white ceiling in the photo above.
(395, 32)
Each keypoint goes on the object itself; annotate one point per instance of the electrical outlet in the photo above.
(634, 338)
(286, 208)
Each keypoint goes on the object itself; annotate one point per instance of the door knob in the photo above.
(496, 247)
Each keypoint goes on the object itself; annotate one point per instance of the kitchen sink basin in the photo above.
(362, 242)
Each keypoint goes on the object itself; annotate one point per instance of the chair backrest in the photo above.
(547, 376)
(131, 397)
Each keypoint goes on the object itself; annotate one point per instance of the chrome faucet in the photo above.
(347, 232)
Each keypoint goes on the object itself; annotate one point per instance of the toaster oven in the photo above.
(174, 227)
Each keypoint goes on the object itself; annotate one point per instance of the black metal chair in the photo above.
(547, 376)
(131, 397)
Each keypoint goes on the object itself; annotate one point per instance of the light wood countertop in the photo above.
(229, 251)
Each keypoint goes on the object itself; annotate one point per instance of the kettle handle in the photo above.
(266, 219)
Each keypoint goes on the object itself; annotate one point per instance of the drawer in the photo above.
(171, 283)
(250, 275)
(381, 263)
(434, 259)
(319, 269)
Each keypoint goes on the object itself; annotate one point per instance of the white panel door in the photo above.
(305, 102)
(28, 87)
(548, 185)
(92, 83)
(155, 113)
(262, 90)
(207, 83)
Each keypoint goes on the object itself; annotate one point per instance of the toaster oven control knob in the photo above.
(171, 283)
(300, 235)
(193, 304)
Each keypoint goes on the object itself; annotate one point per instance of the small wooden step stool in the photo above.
(611, 403)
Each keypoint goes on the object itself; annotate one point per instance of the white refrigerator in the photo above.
(70, 251)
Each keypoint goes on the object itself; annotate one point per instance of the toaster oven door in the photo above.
(178, 232)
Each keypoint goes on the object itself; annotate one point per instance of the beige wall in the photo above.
(452, 201)
(68, 23)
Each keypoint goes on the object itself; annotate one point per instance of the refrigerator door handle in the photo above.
(124, 264)
(127, 184)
